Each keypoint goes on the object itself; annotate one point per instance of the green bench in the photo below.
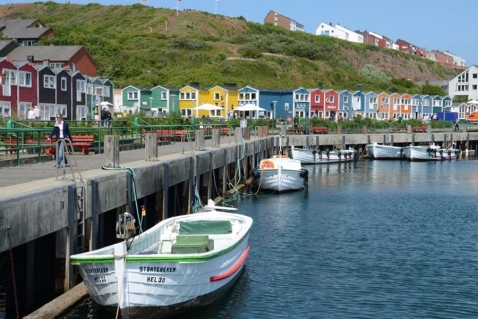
(192, 244)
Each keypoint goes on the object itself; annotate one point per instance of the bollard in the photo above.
(247, 133)
(216, 133)
(112, 151)
(200, 140)
(238, 134)
(151, 147)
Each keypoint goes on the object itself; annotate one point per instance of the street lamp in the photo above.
(274, 103)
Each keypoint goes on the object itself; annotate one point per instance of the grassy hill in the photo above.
(148, 46)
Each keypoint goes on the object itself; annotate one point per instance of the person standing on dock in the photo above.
(61, 130)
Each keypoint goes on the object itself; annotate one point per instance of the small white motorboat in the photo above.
(281, 173)
(181, 263)
(310, 156)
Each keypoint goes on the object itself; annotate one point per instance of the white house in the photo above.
(457, 60)
(349, 34)
(329, 30)
(465, 83)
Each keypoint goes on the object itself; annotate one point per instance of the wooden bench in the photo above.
(319, 129)
(13, 142)
(84, 142)
(166, 135)
(422, 129)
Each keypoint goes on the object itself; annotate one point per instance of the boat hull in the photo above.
(308, 156)
(280, 180)
(387, 152)
(424, 153)
(153, 283)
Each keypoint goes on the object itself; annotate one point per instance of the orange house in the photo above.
(406, 106)
(383, 106)
(395, 106)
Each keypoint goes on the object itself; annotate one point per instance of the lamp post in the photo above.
(274, 103)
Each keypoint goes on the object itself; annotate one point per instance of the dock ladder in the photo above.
(69, 155)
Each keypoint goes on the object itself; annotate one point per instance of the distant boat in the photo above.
(181, 263)
(431, 152)
(380, 151)
(281, 173)
(310, 156)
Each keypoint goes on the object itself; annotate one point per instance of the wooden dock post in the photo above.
(151, 147)
(112, 151)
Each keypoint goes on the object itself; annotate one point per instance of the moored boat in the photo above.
(310, 156)
(380, 151)
(431, 152)
(181, 263)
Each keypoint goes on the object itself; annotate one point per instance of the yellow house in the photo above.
(225, 97)
(192, 97)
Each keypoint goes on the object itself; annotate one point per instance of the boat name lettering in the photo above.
(157, 269)
(99, 279)
(156, 279)
(96, 270)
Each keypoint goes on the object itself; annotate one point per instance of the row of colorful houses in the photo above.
(299, 102)
(25, 85)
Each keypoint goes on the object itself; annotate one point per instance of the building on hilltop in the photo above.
(25, 32)
(339, 32)
(283, 21)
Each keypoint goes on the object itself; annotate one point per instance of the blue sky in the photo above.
(431, 24)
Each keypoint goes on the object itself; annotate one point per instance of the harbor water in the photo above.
(368, 239)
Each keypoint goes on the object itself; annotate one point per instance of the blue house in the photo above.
(279, 102)
(301, 106)
(358, 107)
(370, 105)
(345, 103)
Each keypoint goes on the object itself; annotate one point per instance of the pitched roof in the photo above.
(4, 44)
(22, 29)
(40, 53)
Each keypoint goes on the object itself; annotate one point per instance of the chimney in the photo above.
(394, 89)
(46, 62)
(194, 84)
(359, 87)
(30, 58)
(320, 85)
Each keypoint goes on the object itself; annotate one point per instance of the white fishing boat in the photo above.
(310, 156)
(181, 263)
(281, 173)
(431, 152)
(380, 151)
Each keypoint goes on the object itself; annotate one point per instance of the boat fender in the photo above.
(255, 173)
(304, 173)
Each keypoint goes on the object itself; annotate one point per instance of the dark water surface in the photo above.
(371, 239)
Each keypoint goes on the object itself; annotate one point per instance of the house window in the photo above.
(475, 75)
(47, 112)
(23, 109)
(107, 90)
(286, 106)
(49, 81)
(317, 98)
(186, 112)
(63, 84)
(89, 89)
(25, 79)
(164, 95)
(215, 113)
(241, 96)
(80, 89)
(330, 99)
(346, 99)
(99, 90)
(473, 87)
(217, 96)
(10, 77)
(133, 95)
(57, 65)
(253, 96)
(373, 100)
(5, 109)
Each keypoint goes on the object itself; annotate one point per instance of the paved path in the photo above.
(35, 172)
